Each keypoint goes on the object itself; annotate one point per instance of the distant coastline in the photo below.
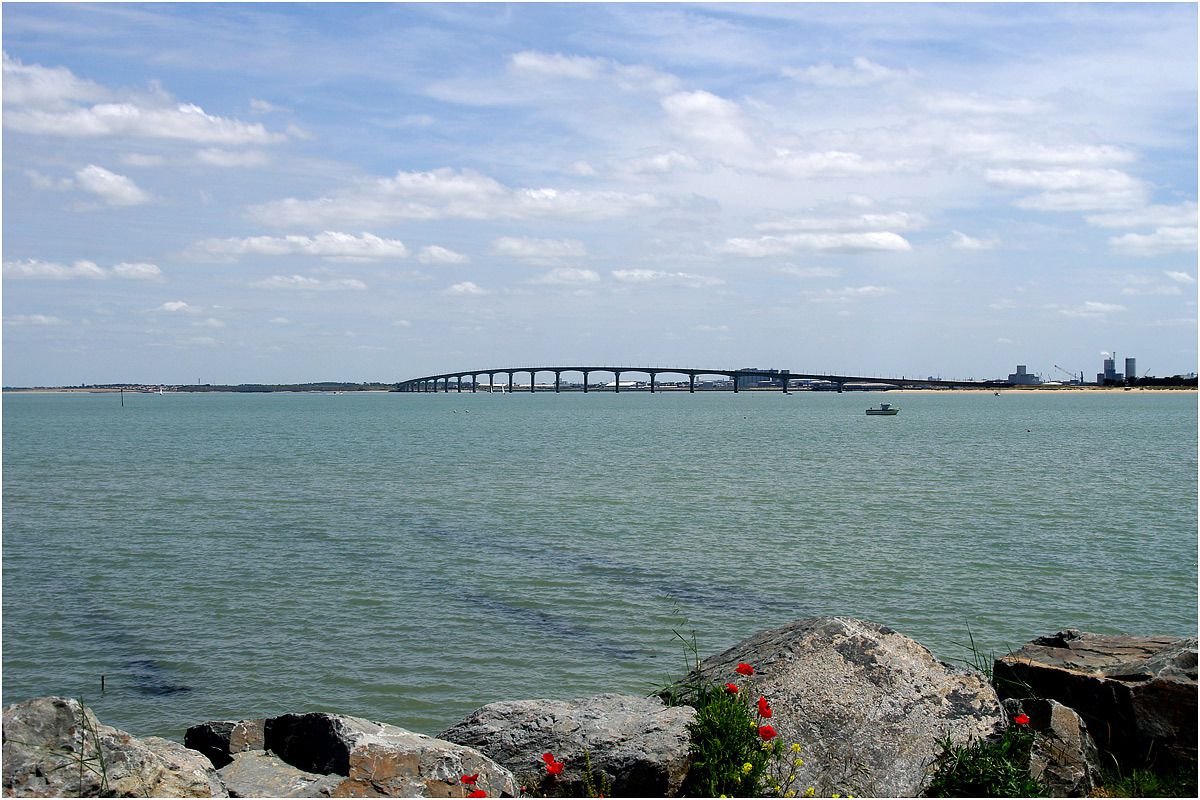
(385, 388)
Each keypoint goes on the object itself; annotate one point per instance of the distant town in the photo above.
(766, 379)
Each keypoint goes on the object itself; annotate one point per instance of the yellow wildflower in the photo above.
(795, 747)
(811, 791)
(835, 795)
(747, 768)
(799, 762)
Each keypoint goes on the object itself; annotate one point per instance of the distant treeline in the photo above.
(1174, 380)
(321, 386)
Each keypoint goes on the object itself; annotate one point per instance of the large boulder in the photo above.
(379, 760)
(632, 746)
(1137, 694)
(221, 740)
(256, 773)
(1064, 756)
(55, 747)
(867, 705)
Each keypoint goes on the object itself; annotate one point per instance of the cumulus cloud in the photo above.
(113, 189)
(568, 276)
(51, 270)
(538, 250)
(1071, 189)
(53, 101)
(834, 163)
(707, 118)
(556, 66)
(302, 283)
(962, 241)
(32, 319)
(827, 242)
(176, 306)
(231, 158)
(435, 254)
(449, 194)
(860, 72)
(1181, 277)
(1090, 308)
(1161, 241)
(466, 288)
(895, 221)
(332, 245)
(1152, 216)
(658, 277)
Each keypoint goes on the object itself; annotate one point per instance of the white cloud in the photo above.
(568, 276)
(211, 322)
(810, 272)
(137, 272)
(303, 283)
(449, 194)
(650, 276)
(1181, 215)
(264, 107)
(231, 158)
(175, 306)
(707, 118)
(401, 323)
(962, 241)
(1181, 277)
(32, 319)
(827, 242)
(116, 190)
(861, 72)
(1072, 189)
(1163, 240)
(280, 321)
(538, 250)
(142, 160)
(662, 163)
(332, 245)
(435, 254)
(833, 163)
(978, 105)
(556, 66)
(898, 220)
(1090, 308)
(848, 293)
(711, 328)
(32, 268)
(32, 84)
(466, 288)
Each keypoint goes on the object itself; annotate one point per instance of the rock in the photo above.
(378, 760)
(55, 747)
(867, 705)
(220, 740)
(254, 773)
(1137, 694)
(1064, 757)
(636, 746)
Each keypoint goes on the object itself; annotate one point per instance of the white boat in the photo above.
(884, 410)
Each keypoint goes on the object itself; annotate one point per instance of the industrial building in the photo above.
(1022, 377)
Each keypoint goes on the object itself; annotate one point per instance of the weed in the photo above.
(997, 767)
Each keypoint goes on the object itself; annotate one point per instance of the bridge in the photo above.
(442, 382)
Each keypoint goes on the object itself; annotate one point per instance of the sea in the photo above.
(410, 557)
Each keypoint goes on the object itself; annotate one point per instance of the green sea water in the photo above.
(410, 557)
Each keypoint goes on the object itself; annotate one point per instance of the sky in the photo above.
(229, 193)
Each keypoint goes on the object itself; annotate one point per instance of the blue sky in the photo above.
(268, 192)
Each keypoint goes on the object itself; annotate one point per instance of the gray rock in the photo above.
(867, 705)
(1064, 756)
(636, 746)
(1137, 694)
(379, 760)
(220, 740)
(255, 773)
(55, 747)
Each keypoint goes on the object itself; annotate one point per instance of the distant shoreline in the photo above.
(661, 390)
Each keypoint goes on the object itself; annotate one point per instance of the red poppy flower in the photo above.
(764, 708)
(548, 758)
(470, 780)
(744, 669)
(554, 767)
(767, 733)
(1021, 719)
(478, 793)
(732, 688)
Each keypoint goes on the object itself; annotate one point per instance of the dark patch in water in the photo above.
(149, 678)
(548, 624)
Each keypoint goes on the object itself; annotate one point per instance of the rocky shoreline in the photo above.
(868, 707)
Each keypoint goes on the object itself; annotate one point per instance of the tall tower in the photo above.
(1130, 369)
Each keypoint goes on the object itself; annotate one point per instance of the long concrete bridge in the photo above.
(442, 382)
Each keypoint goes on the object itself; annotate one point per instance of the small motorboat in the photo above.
(884, 410)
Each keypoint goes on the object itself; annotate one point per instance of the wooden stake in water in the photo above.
(122, 397)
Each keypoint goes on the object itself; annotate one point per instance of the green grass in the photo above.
(1147, 783)
(987, 768)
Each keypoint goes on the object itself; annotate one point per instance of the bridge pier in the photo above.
(446, 385)
(557, 380)
(735, 383)
(692, 383)
(532, 382)
(459, 387)
(585, 381)
(474, 383)
(510, 383)
(652, 374)
(491, 381)
(617, 382)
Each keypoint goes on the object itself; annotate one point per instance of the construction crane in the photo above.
(1071, 374)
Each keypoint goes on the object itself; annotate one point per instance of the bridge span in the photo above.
(442, 382)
